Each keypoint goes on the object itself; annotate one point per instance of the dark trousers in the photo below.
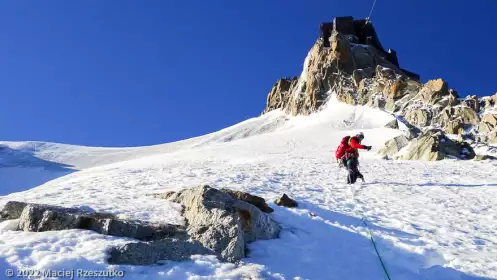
(352, 166)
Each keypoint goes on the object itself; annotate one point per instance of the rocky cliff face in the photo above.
(352, 65)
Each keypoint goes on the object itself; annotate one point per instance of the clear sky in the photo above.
(129, 73)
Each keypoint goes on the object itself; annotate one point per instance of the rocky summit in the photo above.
(349, 63)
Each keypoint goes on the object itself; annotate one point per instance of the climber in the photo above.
(347, 155)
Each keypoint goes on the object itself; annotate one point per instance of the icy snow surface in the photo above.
(431, 220)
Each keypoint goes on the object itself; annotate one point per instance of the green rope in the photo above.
(376, 249)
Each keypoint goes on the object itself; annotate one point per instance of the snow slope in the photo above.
(430, 220)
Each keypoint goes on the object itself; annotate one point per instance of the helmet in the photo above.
(360, 136)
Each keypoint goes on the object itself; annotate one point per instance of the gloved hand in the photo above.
(368, 147)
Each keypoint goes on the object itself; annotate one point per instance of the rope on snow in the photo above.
(363, 219)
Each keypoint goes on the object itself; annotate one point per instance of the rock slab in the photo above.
(433, 144)
(39, 217)
(217, 224)
(393, 146)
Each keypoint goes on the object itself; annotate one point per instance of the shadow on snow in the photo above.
(21, 170)
(329, 246)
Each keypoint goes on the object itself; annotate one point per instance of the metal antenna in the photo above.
(371, 12)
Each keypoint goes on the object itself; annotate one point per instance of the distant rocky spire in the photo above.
(349, 61)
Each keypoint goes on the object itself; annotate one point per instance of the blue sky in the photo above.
(128, 73)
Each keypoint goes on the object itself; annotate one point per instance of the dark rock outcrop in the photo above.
(286, 201)
(257, 201)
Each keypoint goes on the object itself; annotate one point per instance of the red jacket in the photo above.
(354, 144)
(351, 146)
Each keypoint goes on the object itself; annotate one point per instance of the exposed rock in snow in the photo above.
(221, 223)
(488, 123)
(257, 201)
(419, 117)
(434, 145)
(473, 102)
(218, 223)
(286, 201)
(39, 218)
(454, 120)
(393, 124)
(360, 74)
(492, 137)
(484, 157)
(489, 102)
(453, 98)
(394, 146)
(280, 93)
(147, 253)
(12, 210)
(434, 91)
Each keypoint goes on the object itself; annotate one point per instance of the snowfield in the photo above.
(430, 220)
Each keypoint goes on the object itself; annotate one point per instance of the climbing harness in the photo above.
(363, 219)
